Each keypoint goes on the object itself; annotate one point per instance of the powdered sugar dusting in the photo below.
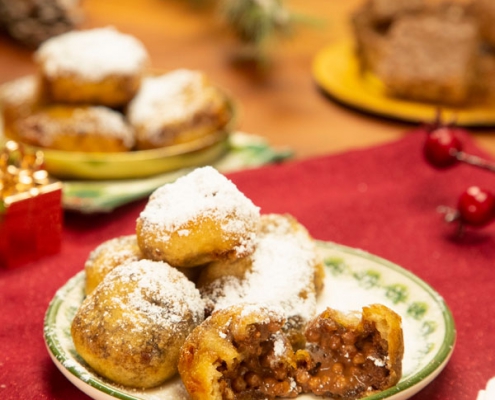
(90, 120)
(157, 294)
(203, 193)
(113, 252)
(19, 91)
(279, 347)
(92, 54)
(171, 98)
(281, 275)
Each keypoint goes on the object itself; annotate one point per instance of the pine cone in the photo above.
(33, 21)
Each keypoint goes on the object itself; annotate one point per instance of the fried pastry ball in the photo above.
(286, 224)
(107, 256)
(281, 272)
(201, 217)
(177, 107)
(77, 128)
(100, 66)
(18, 99)
(349, 357)
(130, 329)
(239, 352)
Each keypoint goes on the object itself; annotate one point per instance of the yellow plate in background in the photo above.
(67, 165)
(337, 71)
(135, 164)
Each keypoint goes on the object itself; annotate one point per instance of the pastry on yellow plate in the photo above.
(18, 99)
(177, 107)
(76, 128)
(100, 66)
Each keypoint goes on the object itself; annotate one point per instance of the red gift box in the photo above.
(30, 209)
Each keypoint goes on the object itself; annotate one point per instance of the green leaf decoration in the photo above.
(427, 349)
(417, 309)
(397, 293)
(368, 279)
(336, 266)
(255, 21)
(428, 327)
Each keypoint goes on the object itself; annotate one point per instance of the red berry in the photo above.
(476, 206)
(441, 146)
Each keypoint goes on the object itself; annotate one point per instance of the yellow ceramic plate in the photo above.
(70, 165)
(135, 164)
(336, 70)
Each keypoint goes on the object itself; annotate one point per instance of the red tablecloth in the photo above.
(382, 200)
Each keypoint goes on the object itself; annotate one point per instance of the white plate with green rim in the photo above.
(354, 279)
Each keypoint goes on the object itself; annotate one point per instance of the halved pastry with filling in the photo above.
(242, 352)
(239, 352)
(350, 356)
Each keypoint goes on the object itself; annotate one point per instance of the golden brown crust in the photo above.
(130, 329)
(76, 128)
(217, 270)
(18, 99)
(238, 353)
(199, 218)
(389, 325)
(177, 107)
(206, 242)
(113, 91)
(98, 66)
(107, 256)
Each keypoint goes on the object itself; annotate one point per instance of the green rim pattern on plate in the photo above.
(370, 274)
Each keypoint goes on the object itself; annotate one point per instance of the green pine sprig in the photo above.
(256, 21)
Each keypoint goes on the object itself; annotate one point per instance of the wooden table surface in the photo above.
(283, 104)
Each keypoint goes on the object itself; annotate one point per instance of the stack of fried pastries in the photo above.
(93, 91)
(210, 288)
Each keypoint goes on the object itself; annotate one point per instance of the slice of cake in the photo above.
(430, 57)
(371, 23)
